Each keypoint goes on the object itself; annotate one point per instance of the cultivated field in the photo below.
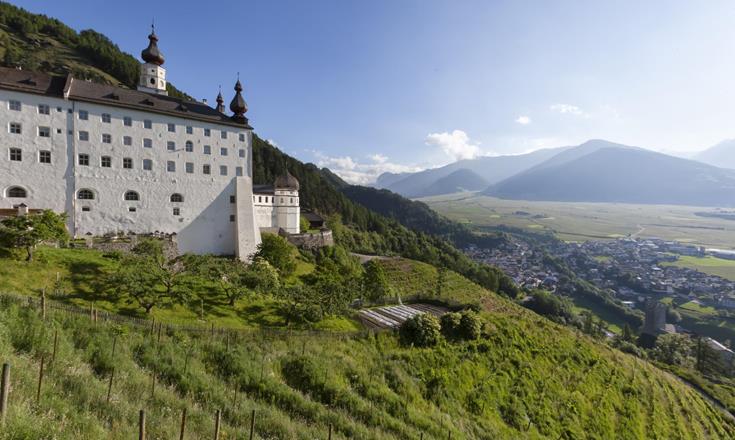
(590, 221)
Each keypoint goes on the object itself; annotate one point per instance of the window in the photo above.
(83, 135)
(127, 163)
(189, 129)
(206, 169)
(242, 137)
(147, 164)
(127, 140)
(17, 192)
(232, 199)
(83, 115)
(44, 132)
(223, 134)
(106, 118)
(86, 209)
(172, 128)
(170, 166)
(132, 209)
(106, 162)
(14, 105)
(177, 211)
(223, 170)
(147, 123)
(171, 146)
(177, 198)
(147, 143)
(207, 132)
(15, 128)
(260, 199)
(44, 109)
(44, 156)
(131, 196)
(232, 217)
(190, 167)
(84, 159)
(207, 149)
(238, 171)
(241, 153)
(189, 146)
(16, 154)
(85, 194)
(128, 121)
(58, 109)
(106, 138)
(223, 151)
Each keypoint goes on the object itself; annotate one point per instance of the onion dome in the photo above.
(151, 54)
(220, 102)
(238, 105)
(286, 181)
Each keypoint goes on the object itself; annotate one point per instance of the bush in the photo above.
(450, 323)
(470, 326)
(422, 330)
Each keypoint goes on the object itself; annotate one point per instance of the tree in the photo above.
(552, 306)
(422, 330)
(470, 325)
(27, 231)
(148, 277)
(278, 252)
(374, 282)
(304, 224)
(441, 281)
(627, 334)
(673, 349)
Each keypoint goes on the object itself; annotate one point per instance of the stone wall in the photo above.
(313, 240)
(127, 243)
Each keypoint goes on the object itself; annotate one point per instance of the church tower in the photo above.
(152, 75)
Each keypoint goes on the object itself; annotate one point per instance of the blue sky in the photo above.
(390, 85)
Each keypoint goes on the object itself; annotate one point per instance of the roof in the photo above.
(287, 181)
(263, 189)
(104, 94)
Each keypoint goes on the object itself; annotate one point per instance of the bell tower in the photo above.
(152, 74)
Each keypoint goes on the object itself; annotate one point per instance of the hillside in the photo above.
(492, 169)
(621, 175)
(458, 181)
(364, 387)
(721, 155)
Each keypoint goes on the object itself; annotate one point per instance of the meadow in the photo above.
(710, 265)
(589, 221)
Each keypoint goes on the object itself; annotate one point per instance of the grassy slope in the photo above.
(368, 388)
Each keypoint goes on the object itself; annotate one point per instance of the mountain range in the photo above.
(595, 171)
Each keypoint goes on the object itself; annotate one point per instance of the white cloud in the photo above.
(361, 173)
(523, 120)
(456, 144)
(272, 142)
(568, 109)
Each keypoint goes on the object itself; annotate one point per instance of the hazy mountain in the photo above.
(721, 155)
(492, 169)
(600, 171)
(460, 180)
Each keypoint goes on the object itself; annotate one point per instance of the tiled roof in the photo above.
(86, 91)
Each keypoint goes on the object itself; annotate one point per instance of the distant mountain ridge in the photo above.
(601, 171)
(720, 155)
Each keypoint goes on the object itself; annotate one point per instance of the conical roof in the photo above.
(286, 181)
(152, 54)
(238, 104)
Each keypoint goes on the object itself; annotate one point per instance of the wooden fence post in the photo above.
(56, 345)
(252, 424)
(330, 431)
(43, 304)
(141, 425)
(153, 385)
(4, 389)
(109, 386)
(183, 424)
(217, 418)
(40, 382)
(159, 332)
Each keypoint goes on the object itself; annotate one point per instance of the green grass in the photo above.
(525, 378)
(709, 265)
(82, 270)
(696, 307)
(589, 221)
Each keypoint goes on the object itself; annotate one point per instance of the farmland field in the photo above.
(710, 265)
(589, 221)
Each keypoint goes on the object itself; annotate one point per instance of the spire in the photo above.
(151, 54)
(220, 101)
(238, 105)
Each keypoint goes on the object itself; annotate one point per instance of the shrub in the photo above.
(450, 323)
(422, 330)
(470, 326)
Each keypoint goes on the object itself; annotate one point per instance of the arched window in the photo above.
(177, 198)
(132, 196)
(17, 192)
(85, 194)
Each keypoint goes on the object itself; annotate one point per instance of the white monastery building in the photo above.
(120, 160)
